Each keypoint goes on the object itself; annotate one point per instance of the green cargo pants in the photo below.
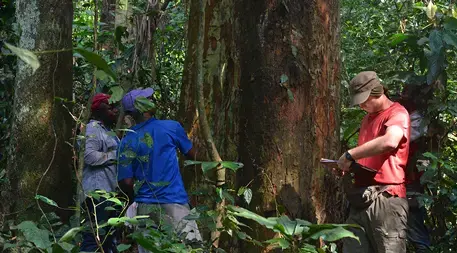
(384, 226)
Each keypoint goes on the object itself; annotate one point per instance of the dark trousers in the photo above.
(418, 234)
(107, 235)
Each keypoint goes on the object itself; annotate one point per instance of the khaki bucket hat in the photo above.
(361, 86)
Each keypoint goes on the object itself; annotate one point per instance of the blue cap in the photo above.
(128, 101)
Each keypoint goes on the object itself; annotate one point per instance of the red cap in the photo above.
(99, 99)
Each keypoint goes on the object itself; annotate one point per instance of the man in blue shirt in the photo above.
(148, 155)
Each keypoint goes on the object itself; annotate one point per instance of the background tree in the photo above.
(39, 159)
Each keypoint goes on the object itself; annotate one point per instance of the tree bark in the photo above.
(107, 14)
(271, 80)
(290, 48)
(41, 125)
(220, 82)
(220, 91)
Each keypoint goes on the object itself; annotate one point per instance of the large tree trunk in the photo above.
(290, 48)
(271, 79)
(41, 125)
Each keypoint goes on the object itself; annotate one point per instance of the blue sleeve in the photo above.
(125, 168)
(181, 139)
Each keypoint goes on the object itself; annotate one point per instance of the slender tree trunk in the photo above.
(289, 57)
(220, 80)
(41, 125)
(220, 88)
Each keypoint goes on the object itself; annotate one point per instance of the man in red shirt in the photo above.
(378, 200)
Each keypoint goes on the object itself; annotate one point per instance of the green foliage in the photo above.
(25, 55)
(46, 200)
(412, 44)
(143, 104)
(308, 233)
(207, 166)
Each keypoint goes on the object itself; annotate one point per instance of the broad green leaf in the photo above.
(232, 165)
(422, 41)
(450, 38)
(97, 61)
(143, 104)
(147, 138)
(118, 34)
(279, 243)
(308, 248)
(66, 247)
(123, 247)
(242, 235)
(25, 55)
(292, 227)
(430, 155)
(9, 246)
(46, 200)
(32, 233)
(116, 94)
(207, 166)
(191, 162)
(435, 65)
(122, 220)
(101, 75)
(247, 194)
(397, 39)
(70, 234)
(450, 23)
(147, 243)
(228, 197)
(334, 234)
(115, 200)
(436, 41)
(244, 213)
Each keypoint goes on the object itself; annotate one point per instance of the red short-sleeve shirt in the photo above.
(391, 165)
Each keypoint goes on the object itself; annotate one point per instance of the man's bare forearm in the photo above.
(374, 147)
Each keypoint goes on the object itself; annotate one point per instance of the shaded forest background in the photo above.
(260, 85)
